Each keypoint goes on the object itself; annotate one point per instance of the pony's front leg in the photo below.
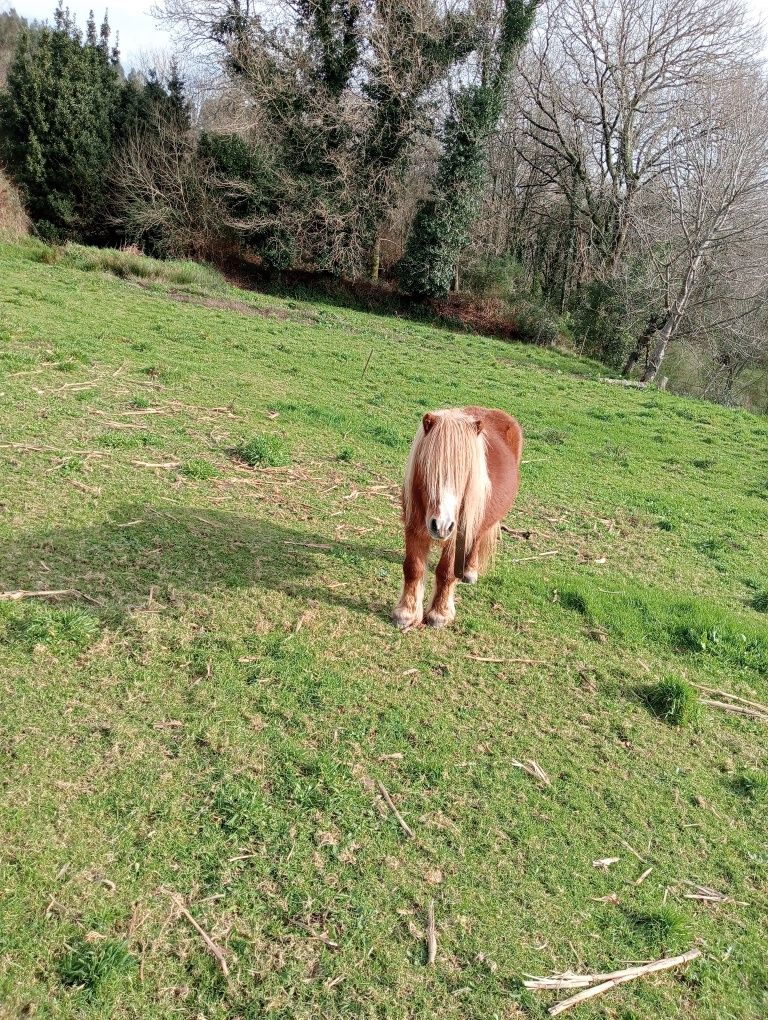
(443, 608)
(410, 609)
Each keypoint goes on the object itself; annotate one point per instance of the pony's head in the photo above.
(447, 462)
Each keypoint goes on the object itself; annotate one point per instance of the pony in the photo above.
(461, 478)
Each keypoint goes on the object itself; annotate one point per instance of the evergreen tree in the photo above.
(177, 106)
(441, 226)
(57, 127)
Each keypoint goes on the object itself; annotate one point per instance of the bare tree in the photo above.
(164, 194)
(703, 232)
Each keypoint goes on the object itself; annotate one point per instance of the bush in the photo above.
(665, 929)
(131, 265)
(752, 784)
(535, 325)
(600, 320)
(493, 276)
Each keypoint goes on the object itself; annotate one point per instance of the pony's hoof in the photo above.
(470, 577)
(437, 620)
(404, 619)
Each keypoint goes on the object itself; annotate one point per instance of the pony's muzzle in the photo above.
(440, 530)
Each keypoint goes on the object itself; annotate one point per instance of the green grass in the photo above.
(208, 711)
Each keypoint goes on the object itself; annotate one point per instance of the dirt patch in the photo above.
(242, 307)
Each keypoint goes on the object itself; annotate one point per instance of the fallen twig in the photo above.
(533, 769)
(732, 697)
(703, 892)
(629, 383)
(645, 874)
(390, 804)
(727, 706)
(597, 984)
(538, 556)
(167, 465)
(524, 662)
(309, 545)
(17, 596)
(322, 937)
(216, 951)
(605, 862)
(633, 851)
(431, 935)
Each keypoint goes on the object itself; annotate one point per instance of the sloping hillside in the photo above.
(14, 222)
(204, 719)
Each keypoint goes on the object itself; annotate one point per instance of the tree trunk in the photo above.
(376, 260)
(659, 351)
(634, 356)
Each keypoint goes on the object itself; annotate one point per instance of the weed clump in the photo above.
(263, 451)
(42, 625)
(752, 784)
(760, 601)
(200, 470)
(674, 700)
(664, 929)
(90, 965)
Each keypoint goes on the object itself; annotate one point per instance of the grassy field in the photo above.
(206, 723)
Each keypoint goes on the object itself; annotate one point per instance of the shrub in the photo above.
(493, 276)
(535, 325)
(34, 625)
(199, 469)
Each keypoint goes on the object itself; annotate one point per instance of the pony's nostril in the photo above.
(433, 524)
(450, 527)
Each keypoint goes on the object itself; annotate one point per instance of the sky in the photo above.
(138, 29)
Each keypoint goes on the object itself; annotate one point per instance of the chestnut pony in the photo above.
(461, 478)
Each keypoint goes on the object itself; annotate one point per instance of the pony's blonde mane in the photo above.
(451, 455)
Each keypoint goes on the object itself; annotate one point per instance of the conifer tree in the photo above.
(58, 119)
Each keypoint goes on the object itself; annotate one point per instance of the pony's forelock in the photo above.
(451, 455)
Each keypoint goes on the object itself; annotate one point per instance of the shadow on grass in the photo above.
(177, 551)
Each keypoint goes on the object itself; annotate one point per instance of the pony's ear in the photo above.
(478, 423)
(427, 422)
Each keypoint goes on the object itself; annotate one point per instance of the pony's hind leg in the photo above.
(443, 608)
(409, 610)
(481, 552)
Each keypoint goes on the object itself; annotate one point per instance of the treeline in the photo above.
(592, 170)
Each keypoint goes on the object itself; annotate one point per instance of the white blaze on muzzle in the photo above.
(442, 520)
